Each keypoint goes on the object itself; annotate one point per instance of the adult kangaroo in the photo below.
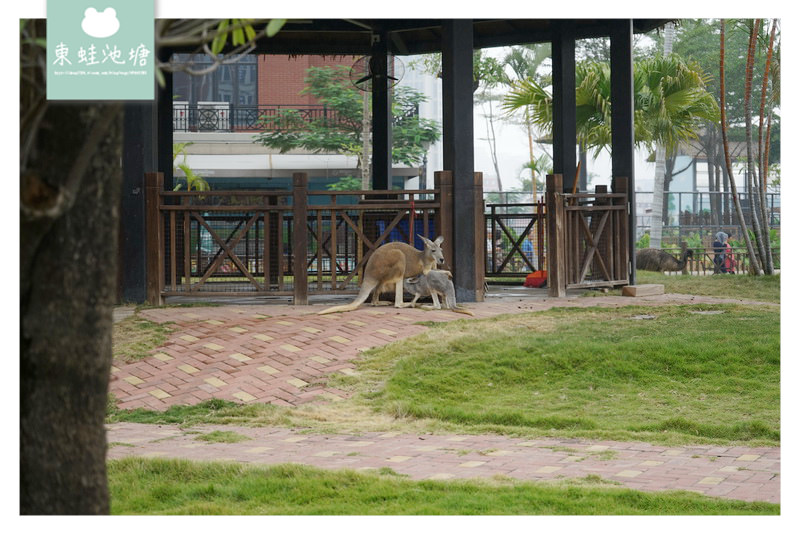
(389, 265)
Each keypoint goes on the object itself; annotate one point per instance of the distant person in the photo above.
(721, 250)
(527, 248)
(498, 254)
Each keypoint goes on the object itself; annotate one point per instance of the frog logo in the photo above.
(102, 24)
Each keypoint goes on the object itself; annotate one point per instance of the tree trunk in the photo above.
(659, 184)
(763, 154)
(69, 221)
(722, 176)
(366, 143)
(723, 124)
(755, 213)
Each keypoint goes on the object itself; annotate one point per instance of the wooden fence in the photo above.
(249, 243)
(587, 237)
(508, 227)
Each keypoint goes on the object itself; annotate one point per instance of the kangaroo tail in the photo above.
(363, 294)
(462, 310)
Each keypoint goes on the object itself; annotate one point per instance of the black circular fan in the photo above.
(363, 71)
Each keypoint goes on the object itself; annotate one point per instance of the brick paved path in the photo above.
(281, 354)
(750, 474)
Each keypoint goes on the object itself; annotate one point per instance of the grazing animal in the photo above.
(389, 265)
(435, 282)
(659, 261)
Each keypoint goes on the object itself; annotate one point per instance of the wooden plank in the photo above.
(556, 273)
(480, 237)
(319, 250)
(187, 248)
(279, 244)
(300, 237)
(154, 246)
(173, 251)
(443, 180)
(650, 289)
(334, 243)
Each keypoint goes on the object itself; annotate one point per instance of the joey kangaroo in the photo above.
(389, 264)
(433, 283)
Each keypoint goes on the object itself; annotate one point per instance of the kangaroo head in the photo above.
(433, 249)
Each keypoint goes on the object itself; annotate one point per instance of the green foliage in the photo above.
(341, 129)
(241, 32)
(486, 69)
(170, 487)
(643, 242)
(194, 181)
(670, 101)
(347, 183)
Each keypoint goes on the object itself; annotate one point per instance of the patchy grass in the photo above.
(134, 337)
(758, 288)
(222, 436)
(174, 487)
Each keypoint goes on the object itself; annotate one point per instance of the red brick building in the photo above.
(280, 78)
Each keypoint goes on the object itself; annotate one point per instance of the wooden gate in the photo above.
(587, 237)
(515, 244)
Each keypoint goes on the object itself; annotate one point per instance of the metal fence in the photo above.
(226, 117)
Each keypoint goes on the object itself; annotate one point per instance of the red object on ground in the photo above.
(536, 279)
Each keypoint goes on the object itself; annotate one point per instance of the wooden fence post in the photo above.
(556, 260)
(625, 255)
(480, 238)
(154, 238)
(443, 182)
(300, 237)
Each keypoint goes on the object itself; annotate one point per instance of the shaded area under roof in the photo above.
(420, 36)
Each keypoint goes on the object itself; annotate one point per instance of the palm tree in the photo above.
(670, 101)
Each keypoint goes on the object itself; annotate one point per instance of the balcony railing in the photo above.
(226, 117)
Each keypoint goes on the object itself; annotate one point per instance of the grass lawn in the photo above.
(665, 374)
(157, 486)
(758, 288)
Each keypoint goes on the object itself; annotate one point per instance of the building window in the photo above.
(235, 83)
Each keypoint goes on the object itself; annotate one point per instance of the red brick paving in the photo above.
(708, 470)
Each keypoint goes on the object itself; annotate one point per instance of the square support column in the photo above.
(564, 129)
(164, 125)
(138, 158)
(381, 115)
(459, 158)
(622, 132)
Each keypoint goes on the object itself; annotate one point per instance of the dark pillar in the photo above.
(164, 125)
(459, 157)
(138, 158)
(622, 147)
(564, 135)
(381, 115)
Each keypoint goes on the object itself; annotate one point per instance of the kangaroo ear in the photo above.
(439, 240)
(427, 242)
